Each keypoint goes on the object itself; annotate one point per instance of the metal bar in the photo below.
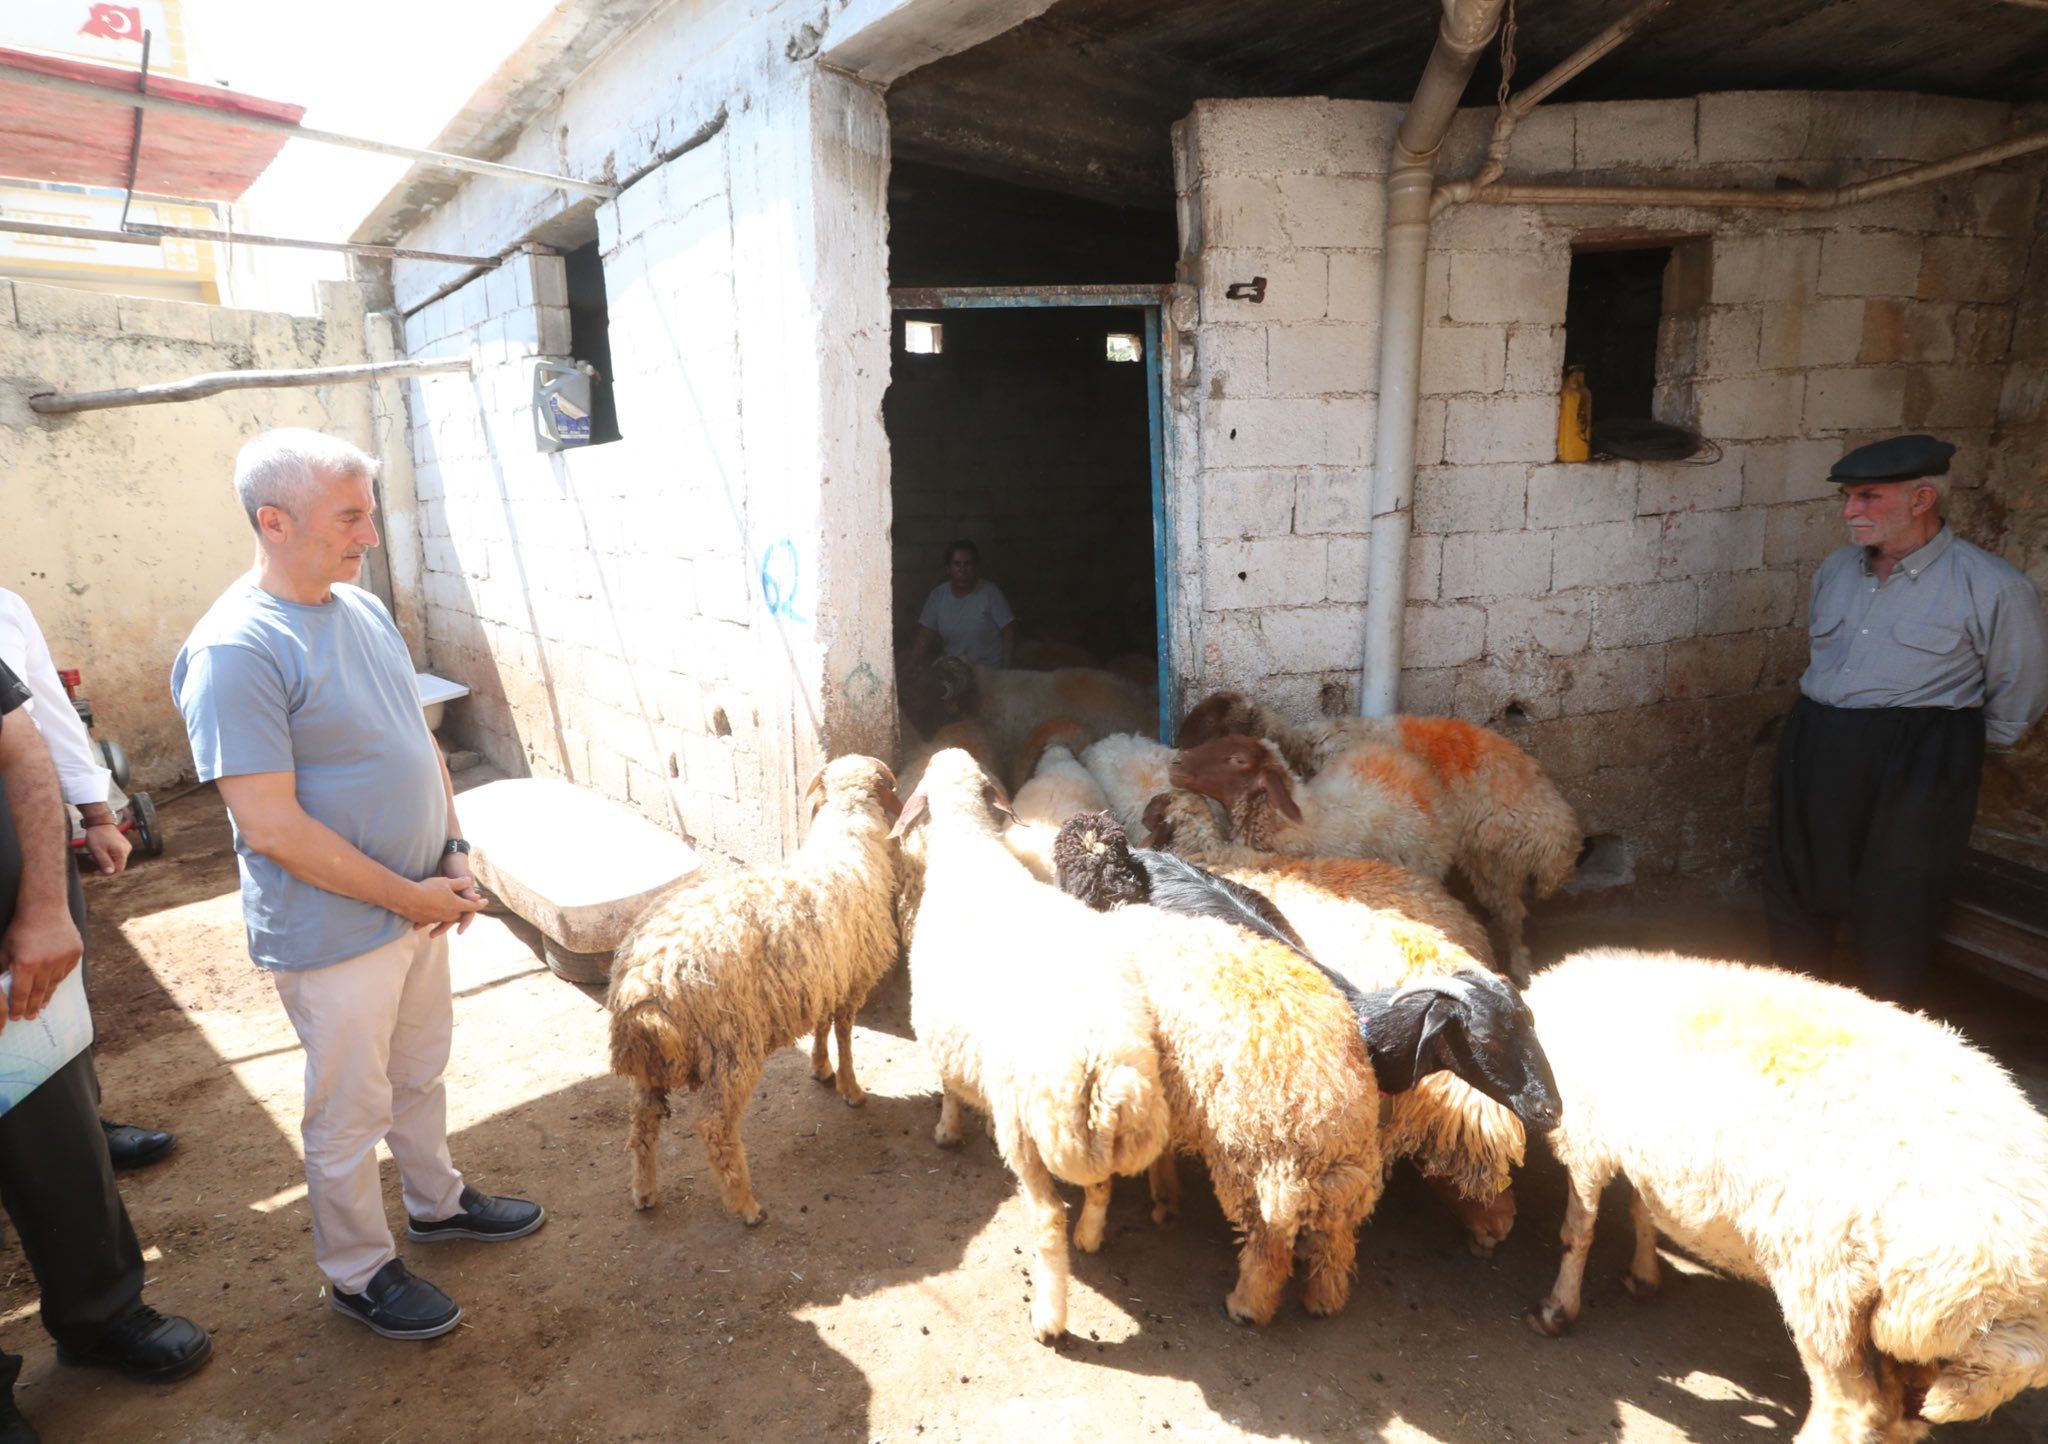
(86, 90)
(970, 298)
(135, 140)
(142, 233)
(50, 403)
(1162, 524)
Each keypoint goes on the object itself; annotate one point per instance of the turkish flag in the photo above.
(114, 22)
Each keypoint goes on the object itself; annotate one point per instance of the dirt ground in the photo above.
(884, 1297)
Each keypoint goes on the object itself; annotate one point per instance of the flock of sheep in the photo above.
(1278, 983)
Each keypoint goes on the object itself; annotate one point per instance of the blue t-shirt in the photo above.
(326, 692)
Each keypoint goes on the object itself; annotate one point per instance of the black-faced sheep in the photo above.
(715, 976)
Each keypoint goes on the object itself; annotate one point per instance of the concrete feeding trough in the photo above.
(576, 865)
(435, 695)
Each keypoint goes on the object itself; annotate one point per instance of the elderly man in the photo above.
(55, 1177)
(966, 616)
(85, 785)
(299, 697)
(1924, 648)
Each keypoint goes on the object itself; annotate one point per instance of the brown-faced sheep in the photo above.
(715, 976)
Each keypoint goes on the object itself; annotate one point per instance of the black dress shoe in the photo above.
(398, 1306)
(491, 1219)
(14, 1429)
(155, 1348)
(134, 1147)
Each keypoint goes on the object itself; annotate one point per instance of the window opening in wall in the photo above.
(590, 337)
(1125, 347)
(1613, 309)
(923, 338)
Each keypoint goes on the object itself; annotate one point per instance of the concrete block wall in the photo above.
(121, 526)
(1611, 616)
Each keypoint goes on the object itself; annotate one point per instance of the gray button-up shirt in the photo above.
(1953, 626)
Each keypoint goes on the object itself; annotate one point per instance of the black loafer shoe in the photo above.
(491, 1219)
(399, 1306)
(14, 1429)
(155, 1348)
(134, 1147)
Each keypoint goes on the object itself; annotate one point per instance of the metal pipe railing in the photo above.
(51, 403)
(141, 233)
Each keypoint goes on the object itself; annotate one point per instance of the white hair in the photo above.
(282, 468)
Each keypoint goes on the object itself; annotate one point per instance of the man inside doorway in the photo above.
(966, 616)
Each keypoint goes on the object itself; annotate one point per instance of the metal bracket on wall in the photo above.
(135, 141)
(1253, 291)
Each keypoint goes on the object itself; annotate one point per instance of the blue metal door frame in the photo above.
(1151, 300)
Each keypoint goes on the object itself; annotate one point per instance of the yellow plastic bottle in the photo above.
(1575, 417)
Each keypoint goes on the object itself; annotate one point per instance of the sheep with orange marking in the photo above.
(1028, 1006)
(1374, 802)
(1381, 926)
(717, 975)
(1887, 1181)
(1511, 830)
(1010, 705)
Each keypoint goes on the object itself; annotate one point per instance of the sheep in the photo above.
(715, 976)
(1380, 803)
(1059, 785)
(1887, 1181)
(1271, 1060)
(1036, 1019)
(1380, 926)
(1511, 829)
(1009, 704)
(970, 736)
(1131, 769)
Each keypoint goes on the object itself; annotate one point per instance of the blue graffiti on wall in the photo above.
(779, 580)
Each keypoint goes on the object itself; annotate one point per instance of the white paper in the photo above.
(32, 1049)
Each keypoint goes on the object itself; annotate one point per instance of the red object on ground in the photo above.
(48, 136)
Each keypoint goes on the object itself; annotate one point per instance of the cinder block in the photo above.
(554, 330)
(1779, 471)
(1332, 501)
(1868, 126)
(1801, 533)
(641, 205)
(1969, 268)
(1667, 487)
(1869, 263)
(1263, 136)
(1744, 408)
(1635, 134)
(1746, 601)
(550, 280)
(59, 308)
(1494, 286)
(1855, 398)
(1982, 334)
(1297, 286)
(1246, 503)
(1347, 569)
(1430, 420)
(1712, 666)
(1470, 498)
(1286, 431)
(1355, 291)
(1463, 359)
(1544, 144)
(170, 320)
(1496, 564)
(1320, 360)
(501, 290)
(1753, 125)
(1232, 360)
(227, 326)
(1361, 135)
(1656, 612)
(1558, 625)
(1535, 359)
(1429, 691)
(1443, 635)
(1491, 228)
(1605, 553)
(1816, 334)
(1781, 266)
(2002, 203)
(1902, 330)
(1482, 429)
(1575, 494)
(1732, 338)
(7, 303)
(1948, 397)
(1286, 571)
(1425, 567)
(1314, 639)
(1337, 211)
(1241, 212)
(1605, 681)
(1692, 542)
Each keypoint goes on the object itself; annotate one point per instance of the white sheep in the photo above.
(1027, 1005)
(1131, 770)
(1012, 704)
(1887, 1181)
(717, 975)
(1059, 785)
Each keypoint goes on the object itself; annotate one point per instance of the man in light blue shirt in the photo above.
(299, 699)
(966, 616)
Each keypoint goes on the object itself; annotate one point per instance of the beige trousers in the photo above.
(376, 1032)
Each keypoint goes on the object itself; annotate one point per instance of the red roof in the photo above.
(50, 136)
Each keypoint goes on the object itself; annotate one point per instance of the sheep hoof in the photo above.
(1087, 1239)
(945, 1139)
(1046, 1328)
(1548, 1320)
(644, 1201)
(1639, 1288)
(1481, 1245)
(1238, 1314)
(755, 1217)
(824, 1075)
(854, 1097)
(1165, 1213)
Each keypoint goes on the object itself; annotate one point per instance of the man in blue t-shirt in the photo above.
(299, 698)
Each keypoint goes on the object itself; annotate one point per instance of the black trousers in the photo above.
(56, 1178)
(1870, 813)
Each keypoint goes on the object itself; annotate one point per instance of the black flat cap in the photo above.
(1899, 458)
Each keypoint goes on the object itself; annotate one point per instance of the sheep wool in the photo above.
(1885, 1179)
(1131, 769)
(1011, 704)
(717, 975)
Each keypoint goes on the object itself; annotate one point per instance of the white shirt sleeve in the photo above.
(22, 647)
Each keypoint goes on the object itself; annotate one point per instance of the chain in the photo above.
(1507, 55)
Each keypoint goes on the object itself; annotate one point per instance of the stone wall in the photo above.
(121, 526)
(1612, 616)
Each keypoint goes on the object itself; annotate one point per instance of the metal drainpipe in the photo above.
(1468, 27)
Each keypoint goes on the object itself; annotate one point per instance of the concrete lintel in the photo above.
(882, 40)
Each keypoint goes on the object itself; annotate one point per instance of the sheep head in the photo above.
(958, 694)
(954, 786)
(1222, 714)
(1092, 861)
(1186, 818)
(1472, 1025)
(1231, 769)
(846, 782)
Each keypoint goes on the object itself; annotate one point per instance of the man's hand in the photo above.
(441, 903)
(455, 868)
(107, 844)
(37, 953)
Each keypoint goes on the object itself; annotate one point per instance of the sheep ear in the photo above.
(1155, 822)
(812, 786)
(1404, 1042)
(999, 800)
(907, 817)
(1279, 787)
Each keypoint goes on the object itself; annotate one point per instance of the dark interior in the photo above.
(1612, 309)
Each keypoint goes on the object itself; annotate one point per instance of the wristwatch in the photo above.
(455, 844)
